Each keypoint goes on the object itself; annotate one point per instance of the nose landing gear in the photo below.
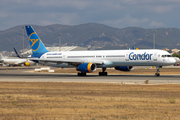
(157, 71)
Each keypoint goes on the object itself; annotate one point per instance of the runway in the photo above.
(26, 75)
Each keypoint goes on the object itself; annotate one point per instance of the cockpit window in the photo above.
(166, 55)
(169, 55)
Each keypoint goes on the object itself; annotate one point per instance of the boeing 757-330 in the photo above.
(88, 61)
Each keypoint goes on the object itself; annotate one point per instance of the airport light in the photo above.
(23, 39)
(154, 39)
(59, 42)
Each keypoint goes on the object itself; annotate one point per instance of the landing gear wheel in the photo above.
(157, 71)
(81, 74)
(102, 73)
(157, 74)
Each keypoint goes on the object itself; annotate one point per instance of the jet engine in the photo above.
(124, 68)
(26, 63)
(87, 67)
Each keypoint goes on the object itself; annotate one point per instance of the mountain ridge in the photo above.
(98, 36)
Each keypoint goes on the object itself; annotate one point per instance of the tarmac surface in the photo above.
(27, 75)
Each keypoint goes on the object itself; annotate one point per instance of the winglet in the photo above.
(16, 53)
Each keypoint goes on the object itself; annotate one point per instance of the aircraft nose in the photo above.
(173, 61)
(177, 59)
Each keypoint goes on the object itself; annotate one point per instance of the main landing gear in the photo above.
(81, 74)
(103, 73)
(157, 71)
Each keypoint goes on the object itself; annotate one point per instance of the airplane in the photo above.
(89, 61)
(15, 62)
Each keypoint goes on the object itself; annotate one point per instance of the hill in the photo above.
(98, 36)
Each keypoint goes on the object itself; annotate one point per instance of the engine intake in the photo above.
(124, 68)
(87, 67)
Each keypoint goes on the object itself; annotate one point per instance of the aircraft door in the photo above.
(127, 56)
(155, 57)
(64, 56)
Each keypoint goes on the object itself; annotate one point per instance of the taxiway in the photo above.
(26, 75)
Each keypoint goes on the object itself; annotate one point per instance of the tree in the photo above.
(176, 55)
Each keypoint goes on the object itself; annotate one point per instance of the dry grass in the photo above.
(92, 101)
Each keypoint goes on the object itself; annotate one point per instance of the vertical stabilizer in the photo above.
(1, 57)
(35, 42)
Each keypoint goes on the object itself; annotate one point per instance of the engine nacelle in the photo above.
(87, 67)
(26, 63)
(124, 68)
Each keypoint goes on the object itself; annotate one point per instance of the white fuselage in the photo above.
(112, 58)
(16, 61)
(13, 61)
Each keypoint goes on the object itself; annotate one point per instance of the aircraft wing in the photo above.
(17, 63)
(73, 62)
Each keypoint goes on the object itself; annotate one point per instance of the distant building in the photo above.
(166, 49)
(175, 50)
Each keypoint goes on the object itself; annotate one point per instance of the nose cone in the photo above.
(173, 61)
(177, 59)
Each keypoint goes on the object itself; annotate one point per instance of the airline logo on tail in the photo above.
(34, 41)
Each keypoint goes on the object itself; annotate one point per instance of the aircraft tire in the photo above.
(157, 74)
(81, 74)
(102, 73)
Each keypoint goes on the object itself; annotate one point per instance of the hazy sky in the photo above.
(115, 13)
